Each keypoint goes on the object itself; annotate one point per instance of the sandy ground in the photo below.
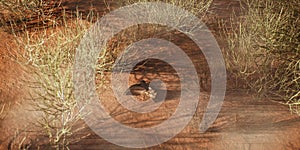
(244, 122)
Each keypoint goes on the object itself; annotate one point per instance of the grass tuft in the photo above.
(47, 56)
(264, 49)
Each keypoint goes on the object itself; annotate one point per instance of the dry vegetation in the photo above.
(264, 49)
(195, 6)
(138, 32)
(48, 56)
(23, 15)
(266, 40)
(46, 52)
(47, 40)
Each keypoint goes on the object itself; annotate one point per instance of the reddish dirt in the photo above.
(243, 123)
(13, 93)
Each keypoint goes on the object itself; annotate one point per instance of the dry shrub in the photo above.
(264, 49)
(194, 6)
(48, 57)
(21, 15)
(46, 42)
(138, 32)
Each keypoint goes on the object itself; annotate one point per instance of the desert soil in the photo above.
(244, 122)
